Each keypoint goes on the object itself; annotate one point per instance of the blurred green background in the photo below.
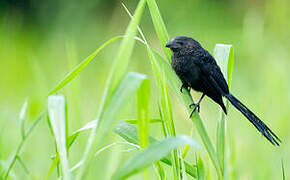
(40, 41)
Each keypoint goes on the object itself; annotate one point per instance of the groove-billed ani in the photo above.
(198, 70)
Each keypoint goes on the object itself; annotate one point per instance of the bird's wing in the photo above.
(213, 74)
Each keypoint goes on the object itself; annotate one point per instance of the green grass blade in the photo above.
(166, 110)
(201, 175)
(143, 97)
(224, 57)
(24, 167)
(22, 115)
(283, 170)
(127, 88)
(130, 133)
(159, 26)
(152, 154)
(165, 106)
(126, 47)
(57, 116)
(117, 73)
(55, 160)
(71, 75)
(160, 171)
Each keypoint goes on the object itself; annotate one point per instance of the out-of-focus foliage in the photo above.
(36, 42)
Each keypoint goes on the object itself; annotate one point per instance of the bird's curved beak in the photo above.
(169, 44)
(172, 44)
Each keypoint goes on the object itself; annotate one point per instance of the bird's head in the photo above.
(182, 43)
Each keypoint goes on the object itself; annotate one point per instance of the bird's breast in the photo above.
(186, 69)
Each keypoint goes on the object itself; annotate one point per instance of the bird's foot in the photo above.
(185, 87)
(195, 106)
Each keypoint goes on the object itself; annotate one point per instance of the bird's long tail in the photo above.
(262, 127)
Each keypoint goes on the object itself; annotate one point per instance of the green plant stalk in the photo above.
(143, 98)
(169, 124)
(116, 74)
(221, 141)
(18, 150)
(224, 56)
(57, 111)
(165, 134)
(166, 109)
(200, 169)
(159, 26)
(161, 174)
(283, 170)
(27, 172)
(165, 106)
(207, 143)
(22, 117)
(135, 121)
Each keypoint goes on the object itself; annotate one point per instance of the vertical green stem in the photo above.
(207, 143)
(169, 124)
(224, 56)
(143, 97)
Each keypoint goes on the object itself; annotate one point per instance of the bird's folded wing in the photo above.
(215, 77)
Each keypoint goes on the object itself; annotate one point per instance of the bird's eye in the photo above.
(181, 43)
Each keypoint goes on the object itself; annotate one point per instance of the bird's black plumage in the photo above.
(198, 70)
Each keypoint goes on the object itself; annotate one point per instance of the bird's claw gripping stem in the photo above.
(196, 106)
(184, 85)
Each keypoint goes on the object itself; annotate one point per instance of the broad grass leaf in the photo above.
(57, 117)
(130, 133)
(152, 154)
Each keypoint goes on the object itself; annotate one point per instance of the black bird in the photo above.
(198, 70)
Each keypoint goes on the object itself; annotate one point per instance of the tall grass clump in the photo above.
(120, 87)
